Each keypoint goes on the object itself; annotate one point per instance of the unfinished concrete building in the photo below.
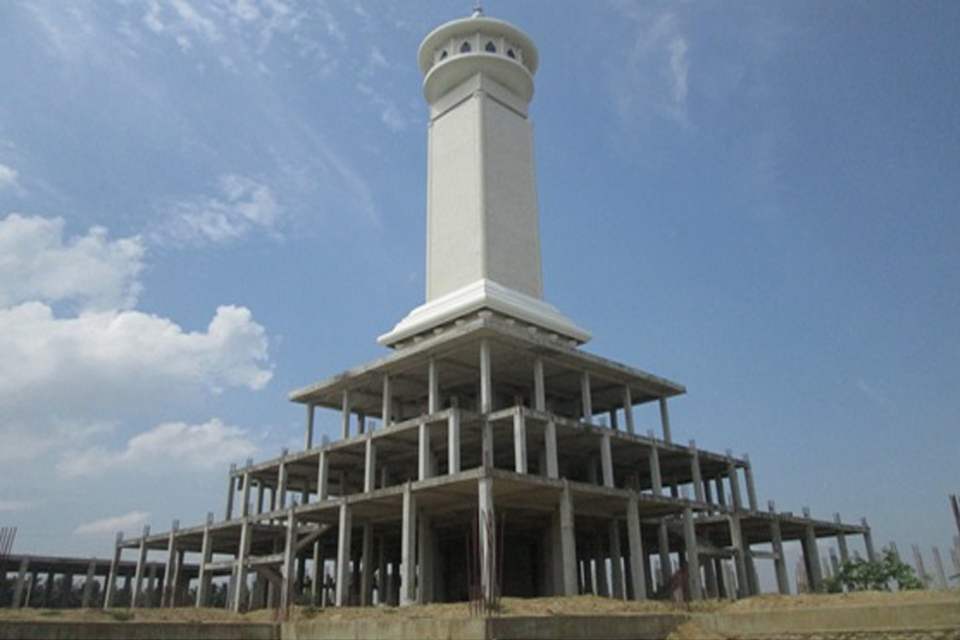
(488, 453)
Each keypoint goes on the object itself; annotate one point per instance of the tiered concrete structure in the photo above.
(487, 453)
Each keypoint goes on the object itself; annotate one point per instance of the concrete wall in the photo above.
(34, 630)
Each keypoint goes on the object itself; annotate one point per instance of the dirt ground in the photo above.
(575, 605)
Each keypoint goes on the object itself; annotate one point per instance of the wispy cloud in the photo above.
(128, 522)
(241, 206)
(16, 505)
(8, 178)
(167, 448)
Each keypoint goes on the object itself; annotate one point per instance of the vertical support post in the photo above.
(655, 479)
(586, 397)
(663, 544)
(739, 556)
(245, 492)
(231, 489)
(141, 562)
(240, 571)
(721, 492)
(811, 557)
(308, 437)
(345, 416)
(779, 561)
(751, 488)
(206, 554)
(423, 456)
(87, 598)
(433, 387)
(110, 588)
(734, 482)
(941, 574)
(453, 441)
(408, 539)
(386, 413)
(18, 599)
(343, 555)
(550, 445)
(519, 441)
(921, 570)
(366, 577)
(425, 557)
(486, 379)
(665, 420)
(619, 587)
(868, 540)
(323, 476)
(488, 538)
(568, 542)
(370, 465)
(166, 599)
(693, 555)
(281, 493)
(841, 540)
(606, 459)
(628, 410)
(539, 387)
(635, 540)
(289, 570)
(695, 472)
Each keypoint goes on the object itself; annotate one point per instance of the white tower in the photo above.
(483, 244)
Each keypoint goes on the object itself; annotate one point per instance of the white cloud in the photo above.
(8, 178)
(241, 207)
(16, 505)
(92, 271)
(167, 448)
(128, 522)
(67, 378)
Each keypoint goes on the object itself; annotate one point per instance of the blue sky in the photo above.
(206, 205)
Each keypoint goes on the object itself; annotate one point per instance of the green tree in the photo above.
(876, 575)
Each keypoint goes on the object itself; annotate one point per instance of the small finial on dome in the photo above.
(477, 10)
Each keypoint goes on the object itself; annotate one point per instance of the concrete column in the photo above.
(663, 543)
(486, 445)
(754, 579)
(343, 555)
(842, 541)
(323, 476)
(453, 441)
(710, 578)
(606, 460)
(586, 397)
(568, 542)
(539, 388)
(665, 420)
(425, 585)
(110, 587)
(85, 600)
(141, 562)
(366, 577)
(739, 556)
(693, 555)
(486, 377)
(635, 540)
(370, 466)
(260, 490)
(695, 472)
(721, 492)
(868, 541)
(345, 416)
(941, 574)
(241, 567)
(386, 413)
(433, 387)
(519, 441)
(779, 561)
(408, 539)
(811, 558)
(921, 569)
(18, 591)
(245, 492)
(231, 489)
(550, 447)
(655, 479)
(206, 555)
(619, 587)
(281, 494)
(751, 488)
(734, 483)
(308, 437)
(289, 569)
(423, 456)
(600, 564)
(488, 539)
(166, 599)
(628, 410)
